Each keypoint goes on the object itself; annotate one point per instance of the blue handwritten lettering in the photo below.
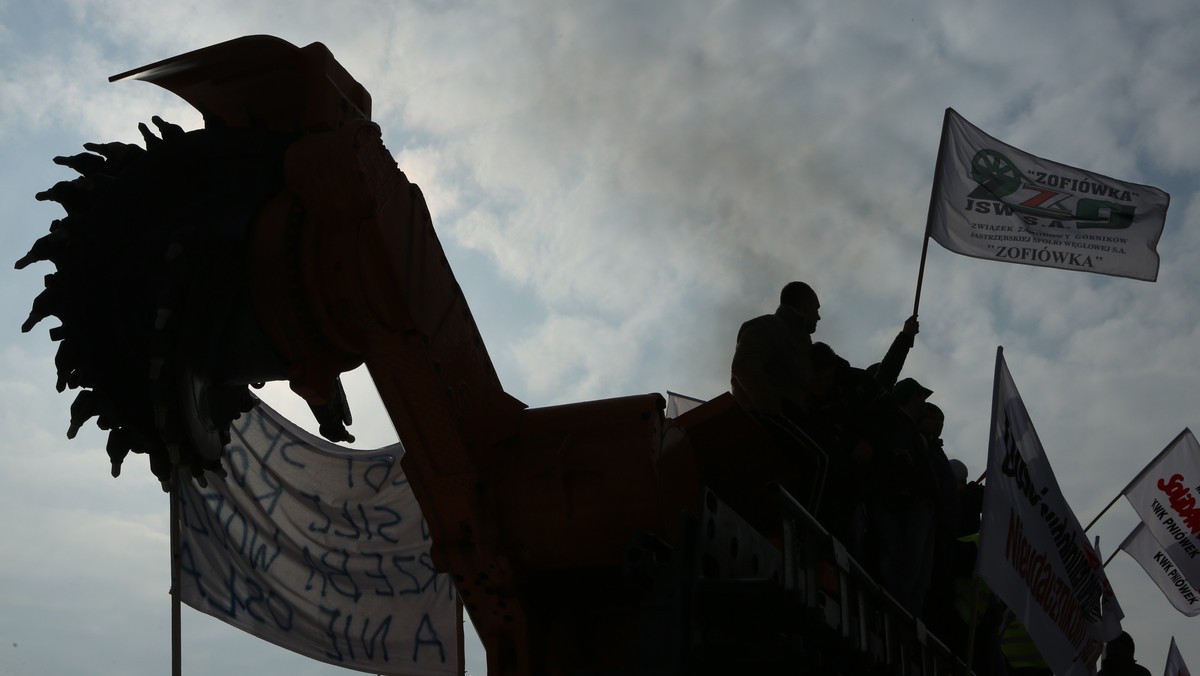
(427, 636)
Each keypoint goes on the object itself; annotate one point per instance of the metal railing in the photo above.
(835, 588)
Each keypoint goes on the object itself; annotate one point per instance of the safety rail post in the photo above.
(907, 646)
(842, 558)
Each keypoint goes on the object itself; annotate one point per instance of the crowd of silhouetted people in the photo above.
(904, 509)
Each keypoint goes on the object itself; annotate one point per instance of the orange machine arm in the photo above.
(345, 269)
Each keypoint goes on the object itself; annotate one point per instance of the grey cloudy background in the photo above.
(618, 186)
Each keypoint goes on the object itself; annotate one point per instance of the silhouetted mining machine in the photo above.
(281, 242)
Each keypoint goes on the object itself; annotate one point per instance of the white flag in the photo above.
(1175, 665)
(1144, 549)
(1165, 495)
(994, 201)
(320, 550)
(1033, 552)
(678, 404)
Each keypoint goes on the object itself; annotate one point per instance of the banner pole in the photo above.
(176, 610)
(921, 272)
(1106, 507)
(1186, 431)
(933, 193)
(974, 622)
(462, 643)
(1110, 558)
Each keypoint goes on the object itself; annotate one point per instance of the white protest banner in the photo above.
(319, 549)
(1175, 664)
(994, 201)
(1144, 549)
(1032, 551)
(1165, 494)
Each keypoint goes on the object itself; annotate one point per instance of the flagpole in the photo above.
(1139, 476)
(933, 193)
(974, 623)
(1110, 557)
(1110, 504)
(176, 610)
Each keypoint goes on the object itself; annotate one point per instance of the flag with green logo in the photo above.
(991, 200)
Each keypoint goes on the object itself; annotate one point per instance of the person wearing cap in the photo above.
(901, 492)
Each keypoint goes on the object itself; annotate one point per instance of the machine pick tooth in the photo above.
(116, 151)
(45, 304)
(150, 138)
(86, 405)
(169, 130)
(72, 195)
(46, 248)
(84, 163)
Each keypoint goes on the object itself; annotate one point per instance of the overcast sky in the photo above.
(618, 185)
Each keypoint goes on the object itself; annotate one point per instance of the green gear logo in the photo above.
(995, 173)
(1049, 196)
